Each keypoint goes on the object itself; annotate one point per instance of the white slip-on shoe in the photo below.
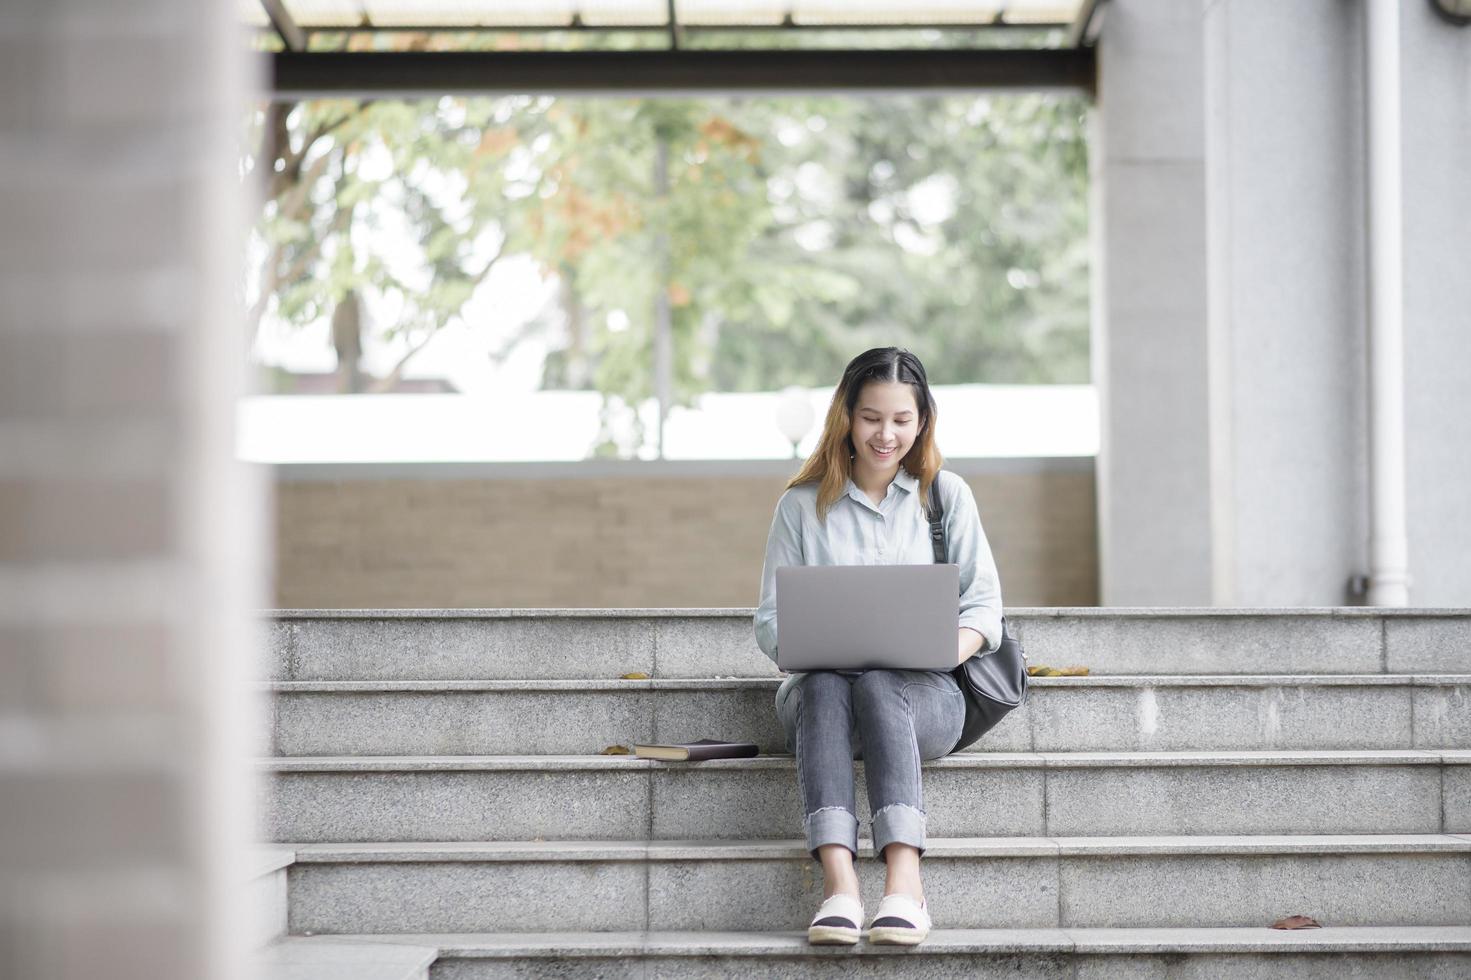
(900, 921)
(837, 921)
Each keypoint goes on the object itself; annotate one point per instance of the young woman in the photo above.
(862, 499)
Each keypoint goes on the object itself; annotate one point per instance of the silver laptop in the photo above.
(832, 617)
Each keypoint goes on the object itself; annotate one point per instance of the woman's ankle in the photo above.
(915, 893)
(901, 875)
(905, 886)
(843, 886)
(838, 871)
(844, 880)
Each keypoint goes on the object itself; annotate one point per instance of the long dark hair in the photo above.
(831, 464)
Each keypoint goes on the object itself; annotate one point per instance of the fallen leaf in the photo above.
(636, 675)
(1296, 922)
(1076, 670)
(615, 750)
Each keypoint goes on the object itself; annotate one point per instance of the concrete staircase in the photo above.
(436, 778)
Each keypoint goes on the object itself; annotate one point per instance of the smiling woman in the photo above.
(861, 499)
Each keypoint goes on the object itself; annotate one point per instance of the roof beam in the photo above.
(786, 26)
(1084, 29)
(299, 75)
(291, 33)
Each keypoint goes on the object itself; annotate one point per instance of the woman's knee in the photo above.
(879, 704)
(818, 683)
(876, 687)
(940, 714)
(820, 690)
(930, 702)
(880, 679)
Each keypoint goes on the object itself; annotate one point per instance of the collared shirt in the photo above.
(893, 532)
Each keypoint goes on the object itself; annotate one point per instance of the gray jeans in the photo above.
(891, 719)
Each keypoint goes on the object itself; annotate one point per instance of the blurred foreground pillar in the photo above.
(130, 542)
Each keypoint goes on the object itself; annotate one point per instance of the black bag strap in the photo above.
(937, 523)
(937, 535)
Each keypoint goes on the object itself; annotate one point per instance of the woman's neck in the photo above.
(873, 483)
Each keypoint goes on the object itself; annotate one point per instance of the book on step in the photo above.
(705, 748)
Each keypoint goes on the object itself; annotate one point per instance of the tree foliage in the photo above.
(785, 234)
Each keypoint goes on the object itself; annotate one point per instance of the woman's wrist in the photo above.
(969, 642)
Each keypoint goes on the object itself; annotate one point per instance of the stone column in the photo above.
(1435, 121)
(1288, 387)
(1231, 302)
(130, 542)
(1149, 337)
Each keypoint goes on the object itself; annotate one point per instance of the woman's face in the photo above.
(885, 417)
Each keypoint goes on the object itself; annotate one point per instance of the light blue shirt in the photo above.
(895, 532)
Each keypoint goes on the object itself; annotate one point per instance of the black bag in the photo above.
(993, 683)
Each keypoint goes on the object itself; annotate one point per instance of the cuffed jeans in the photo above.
(891, 719)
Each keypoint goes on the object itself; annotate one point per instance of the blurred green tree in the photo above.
(333, 173)
(778, 235)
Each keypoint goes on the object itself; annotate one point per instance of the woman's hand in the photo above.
(969, 642)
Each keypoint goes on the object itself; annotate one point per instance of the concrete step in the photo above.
(970, 883)
(1121, 713)
(265, 895)
(342, 959)
(1332, 953)
(1021, 794)
(669, 643)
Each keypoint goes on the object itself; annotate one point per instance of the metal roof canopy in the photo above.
(299, 73)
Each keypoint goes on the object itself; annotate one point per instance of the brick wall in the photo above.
(620, 534)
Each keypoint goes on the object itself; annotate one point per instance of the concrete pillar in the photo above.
(1149, 337)
(1231, 302)
(1435, 121)
(130, 555)
(1286, 250)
